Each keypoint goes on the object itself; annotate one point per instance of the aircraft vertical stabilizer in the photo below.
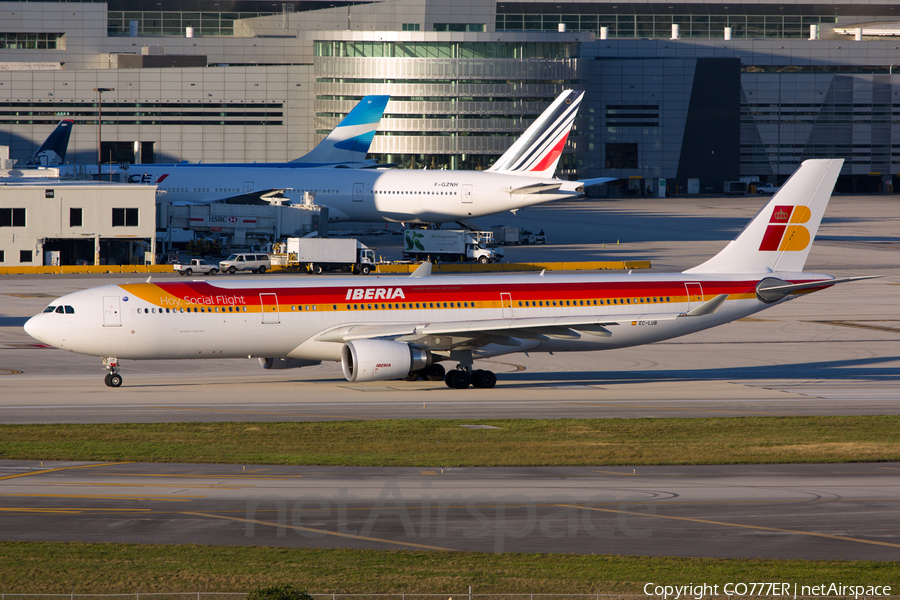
(537, 152)
(349, 142)
(53, 151)
(780, 235)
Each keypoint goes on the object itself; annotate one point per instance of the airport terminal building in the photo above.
(692, 93)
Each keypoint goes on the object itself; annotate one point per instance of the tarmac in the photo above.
(835, 352)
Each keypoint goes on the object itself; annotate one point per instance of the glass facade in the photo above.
(143, 113)
(454, 105)
(660, 26)
(32, 41)
(159, 23)
(519, 50)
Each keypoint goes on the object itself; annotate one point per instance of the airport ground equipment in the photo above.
(450, 245)
(196, 265)
(319, 255)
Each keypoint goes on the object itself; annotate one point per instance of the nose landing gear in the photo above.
(112, 379)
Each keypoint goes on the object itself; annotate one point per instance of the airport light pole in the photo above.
(100, 128)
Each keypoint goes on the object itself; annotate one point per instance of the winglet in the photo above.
(423, 270)
(349, 142)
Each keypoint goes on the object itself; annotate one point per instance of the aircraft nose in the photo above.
(35, 327)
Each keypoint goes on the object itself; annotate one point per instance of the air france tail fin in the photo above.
(349, 142)
(780, 235)
(53, 151)
(536, 153)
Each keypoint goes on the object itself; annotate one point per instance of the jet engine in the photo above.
(377, 360)
(286, 363)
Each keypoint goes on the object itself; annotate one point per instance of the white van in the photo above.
(257, 263)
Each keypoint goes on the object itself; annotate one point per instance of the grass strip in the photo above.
(45, 567)
(514, 442)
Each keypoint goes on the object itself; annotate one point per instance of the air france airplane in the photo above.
(395, 327)
(345, 147)
(523, 176)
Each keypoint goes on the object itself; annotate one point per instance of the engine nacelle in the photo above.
(286, 363)
(377, 360)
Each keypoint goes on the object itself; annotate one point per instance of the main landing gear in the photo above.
(461, 378)
(112, 379)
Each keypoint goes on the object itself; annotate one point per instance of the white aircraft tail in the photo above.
(780, 235)
(349, 142)
(536, 153)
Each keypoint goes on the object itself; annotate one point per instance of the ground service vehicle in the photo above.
(256, 263)
(504, 235)
(197, 265)
(450, 245)
(330, 254)
(767, 189)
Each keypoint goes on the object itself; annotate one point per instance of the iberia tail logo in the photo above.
(785, 231)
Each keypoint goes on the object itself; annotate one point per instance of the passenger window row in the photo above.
(202, 309)
(398, 305)
(601, 302)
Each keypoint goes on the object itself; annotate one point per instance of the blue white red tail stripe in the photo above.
(538, 150)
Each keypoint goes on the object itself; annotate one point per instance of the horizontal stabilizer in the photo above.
(535, 188)
(596, 181)
(772, 289)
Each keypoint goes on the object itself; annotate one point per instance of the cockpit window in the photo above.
(50, 309)
(60, 309)
(70, 310)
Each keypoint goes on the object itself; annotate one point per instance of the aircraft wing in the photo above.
(490, 330)
(257, 198)
(507, 331)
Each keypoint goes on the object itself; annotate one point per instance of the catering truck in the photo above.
(450, 245)
(327, 254)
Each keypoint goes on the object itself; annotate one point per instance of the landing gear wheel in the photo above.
(484, 379)
(113, 380)
(413, 376)
(457, 379)
(435, 372)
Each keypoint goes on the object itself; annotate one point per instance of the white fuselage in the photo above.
(363, 195)
(283, 318)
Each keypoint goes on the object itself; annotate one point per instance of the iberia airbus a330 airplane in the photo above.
(404, 327)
